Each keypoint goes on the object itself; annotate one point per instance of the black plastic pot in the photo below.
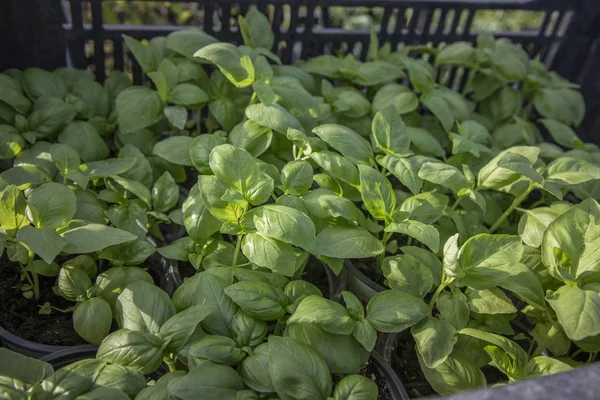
(70, 354)
(358, 283)
(393, 383)
(26, 347)
(166, 270)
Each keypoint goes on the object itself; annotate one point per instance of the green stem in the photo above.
(238, 246)
(198, 115)
(380, 257)
(531, 344)
(509, 210)
(457, 202)
(36, 282)
(252, 99)
(170, 363)
(277, 330)
(26, 273)
(591, 357)
(576, 353)
(439, 290)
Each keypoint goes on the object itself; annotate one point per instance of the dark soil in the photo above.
(21, 317)
(315, 274)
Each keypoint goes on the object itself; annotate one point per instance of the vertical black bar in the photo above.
(208, 16)
(326, 17)
(470, 16)
(399, 29)
(537, 46)
(98, 36)
(226, 17)
(118, 54)
(385, 21)
(77, 48)
(551, 36)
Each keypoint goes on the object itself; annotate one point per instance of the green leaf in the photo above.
(328, 314)
(92, 319)
(165, 193)
(526, 285)
(258, 299)
(407, 274)
(93, 237)
(576, 232)
(438, 105)
(131, 218)
(444, 175)
(212, 190)
(286, 224)
(252, 137)
(178, 329)
(145, 55)
(533, 223)
(542, 365)
(562, 134)
(564, 105)
(485, 259)
(521, 165)
(219, 349)
(401, 97)
(39, 83)
(347, 242)
(138, 108)
(297, 177)
(377, 193)
(454, 375)
(405, 169)
(130, 253)
(139, 350)
(337, 166)
(143, 307)
(188, 95)
(12, 210)
(389, 132)
(273, 116)
(322, 203)
(186, 42)
(517, 354)
(176, 115)
(489, 301)
(73, 283)
(551, 336)
(50, 205)
(435, 341)
(19, 367)
(238, 168)
(426, 207)
(428, 259)
(355, 387)
(238, 68)
(198, 221)
(209, 380)
(494, 176)
(342, 353)
(256, 29)
(137, 188)
(395, 311)
(454, 308)
(577, 310)
(180, 249)
(200, 149)
(458, 54)
(175, 149)
(572, 171)
(426, 234)
(353, 146)
(297, 371)
(85, 140)
(44, 242)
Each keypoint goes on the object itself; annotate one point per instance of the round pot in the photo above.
(393, 383)
(353, 280)
(68, 355)
(26, 347)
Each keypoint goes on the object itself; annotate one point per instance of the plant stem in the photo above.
(277, 330)
(591, 357)
(380, 257)
(509, 210)
(238, 246)
(36, 283)
(438, 292)
(252, 99)
(198, 115)
(457, 202)
(26, 273)
(531, 344)
(170, 363)
(576, 353)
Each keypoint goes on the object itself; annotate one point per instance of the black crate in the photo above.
(39, 33)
